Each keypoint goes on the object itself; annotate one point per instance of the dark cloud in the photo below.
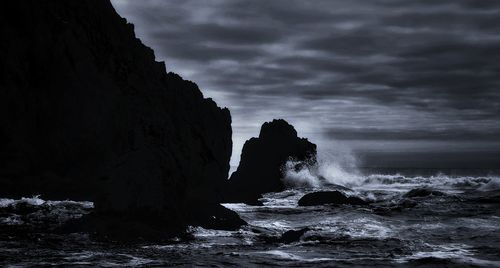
(360, 70)
(452, 134)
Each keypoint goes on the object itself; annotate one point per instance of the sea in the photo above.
(457, 224)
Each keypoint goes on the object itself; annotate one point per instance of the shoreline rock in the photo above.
(330, 198)
(86, 113)
(262, 159)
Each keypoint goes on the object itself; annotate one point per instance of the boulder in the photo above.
(262, 160)
(330, 198)
(86, 113)
(286, 238)
(216, 216)
(292, 235)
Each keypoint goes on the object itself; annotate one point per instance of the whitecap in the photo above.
(5, 202)
(492, 185)
(12, 220)
(453, 251)
(290, 256)
(202, 232)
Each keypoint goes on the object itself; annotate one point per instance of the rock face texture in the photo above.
(262, 159)
(329, 198)
(86, 113)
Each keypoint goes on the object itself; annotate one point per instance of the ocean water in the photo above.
(458, 228)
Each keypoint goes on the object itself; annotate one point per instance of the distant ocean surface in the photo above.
(458, 225)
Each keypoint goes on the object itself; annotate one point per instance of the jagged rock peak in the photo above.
(262, 159)
(277, 129)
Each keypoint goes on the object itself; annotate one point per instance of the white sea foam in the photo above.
(12, 220)
(493, 184)
(338, 167)
(34, 201)
(458, 252)
(291, 256)
(332, 169)
(202, 232)
(56, 212)
(359, 227)
(37, 201)
(272, 224)
(5, 202)
(88, 258)
(303, 177)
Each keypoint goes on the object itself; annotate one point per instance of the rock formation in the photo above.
(86, 113)
(292, 235)
(329, 198)
(287, 237)
(262, 159)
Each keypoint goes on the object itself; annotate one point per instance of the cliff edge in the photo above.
(86, 113)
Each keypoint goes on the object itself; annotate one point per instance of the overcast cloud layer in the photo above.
(380, 72)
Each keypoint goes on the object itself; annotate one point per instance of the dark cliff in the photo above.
(262, 160)
(87, 113)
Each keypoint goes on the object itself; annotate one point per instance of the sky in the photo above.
(379, 76)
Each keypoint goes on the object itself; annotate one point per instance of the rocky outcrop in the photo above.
(287, 237)
(86, 113)
(292, 235)
(329, 198)
(262, 160)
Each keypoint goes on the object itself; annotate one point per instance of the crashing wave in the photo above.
(33, 211)
(334, 171)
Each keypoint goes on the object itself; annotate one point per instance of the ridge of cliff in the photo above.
(87, 113)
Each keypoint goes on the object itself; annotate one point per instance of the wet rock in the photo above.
(86, 113)
(287, 237)
(216, 217)
(292, 235)
(330, 198)
(262, 159)
(423, 192)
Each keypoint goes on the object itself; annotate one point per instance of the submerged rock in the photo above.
(330, 198)
(423, 192)
(287, 237)
(86, 113)
(262, 159)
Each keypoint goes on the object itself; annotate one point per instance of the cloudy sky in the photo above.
(373, 76)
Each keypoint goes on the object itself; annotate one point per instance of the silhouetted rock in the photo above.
(292, 235)
(423, 192)
(215, 216)
(86, 113)
(329, 198)
(287, 237)
(262, 160)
